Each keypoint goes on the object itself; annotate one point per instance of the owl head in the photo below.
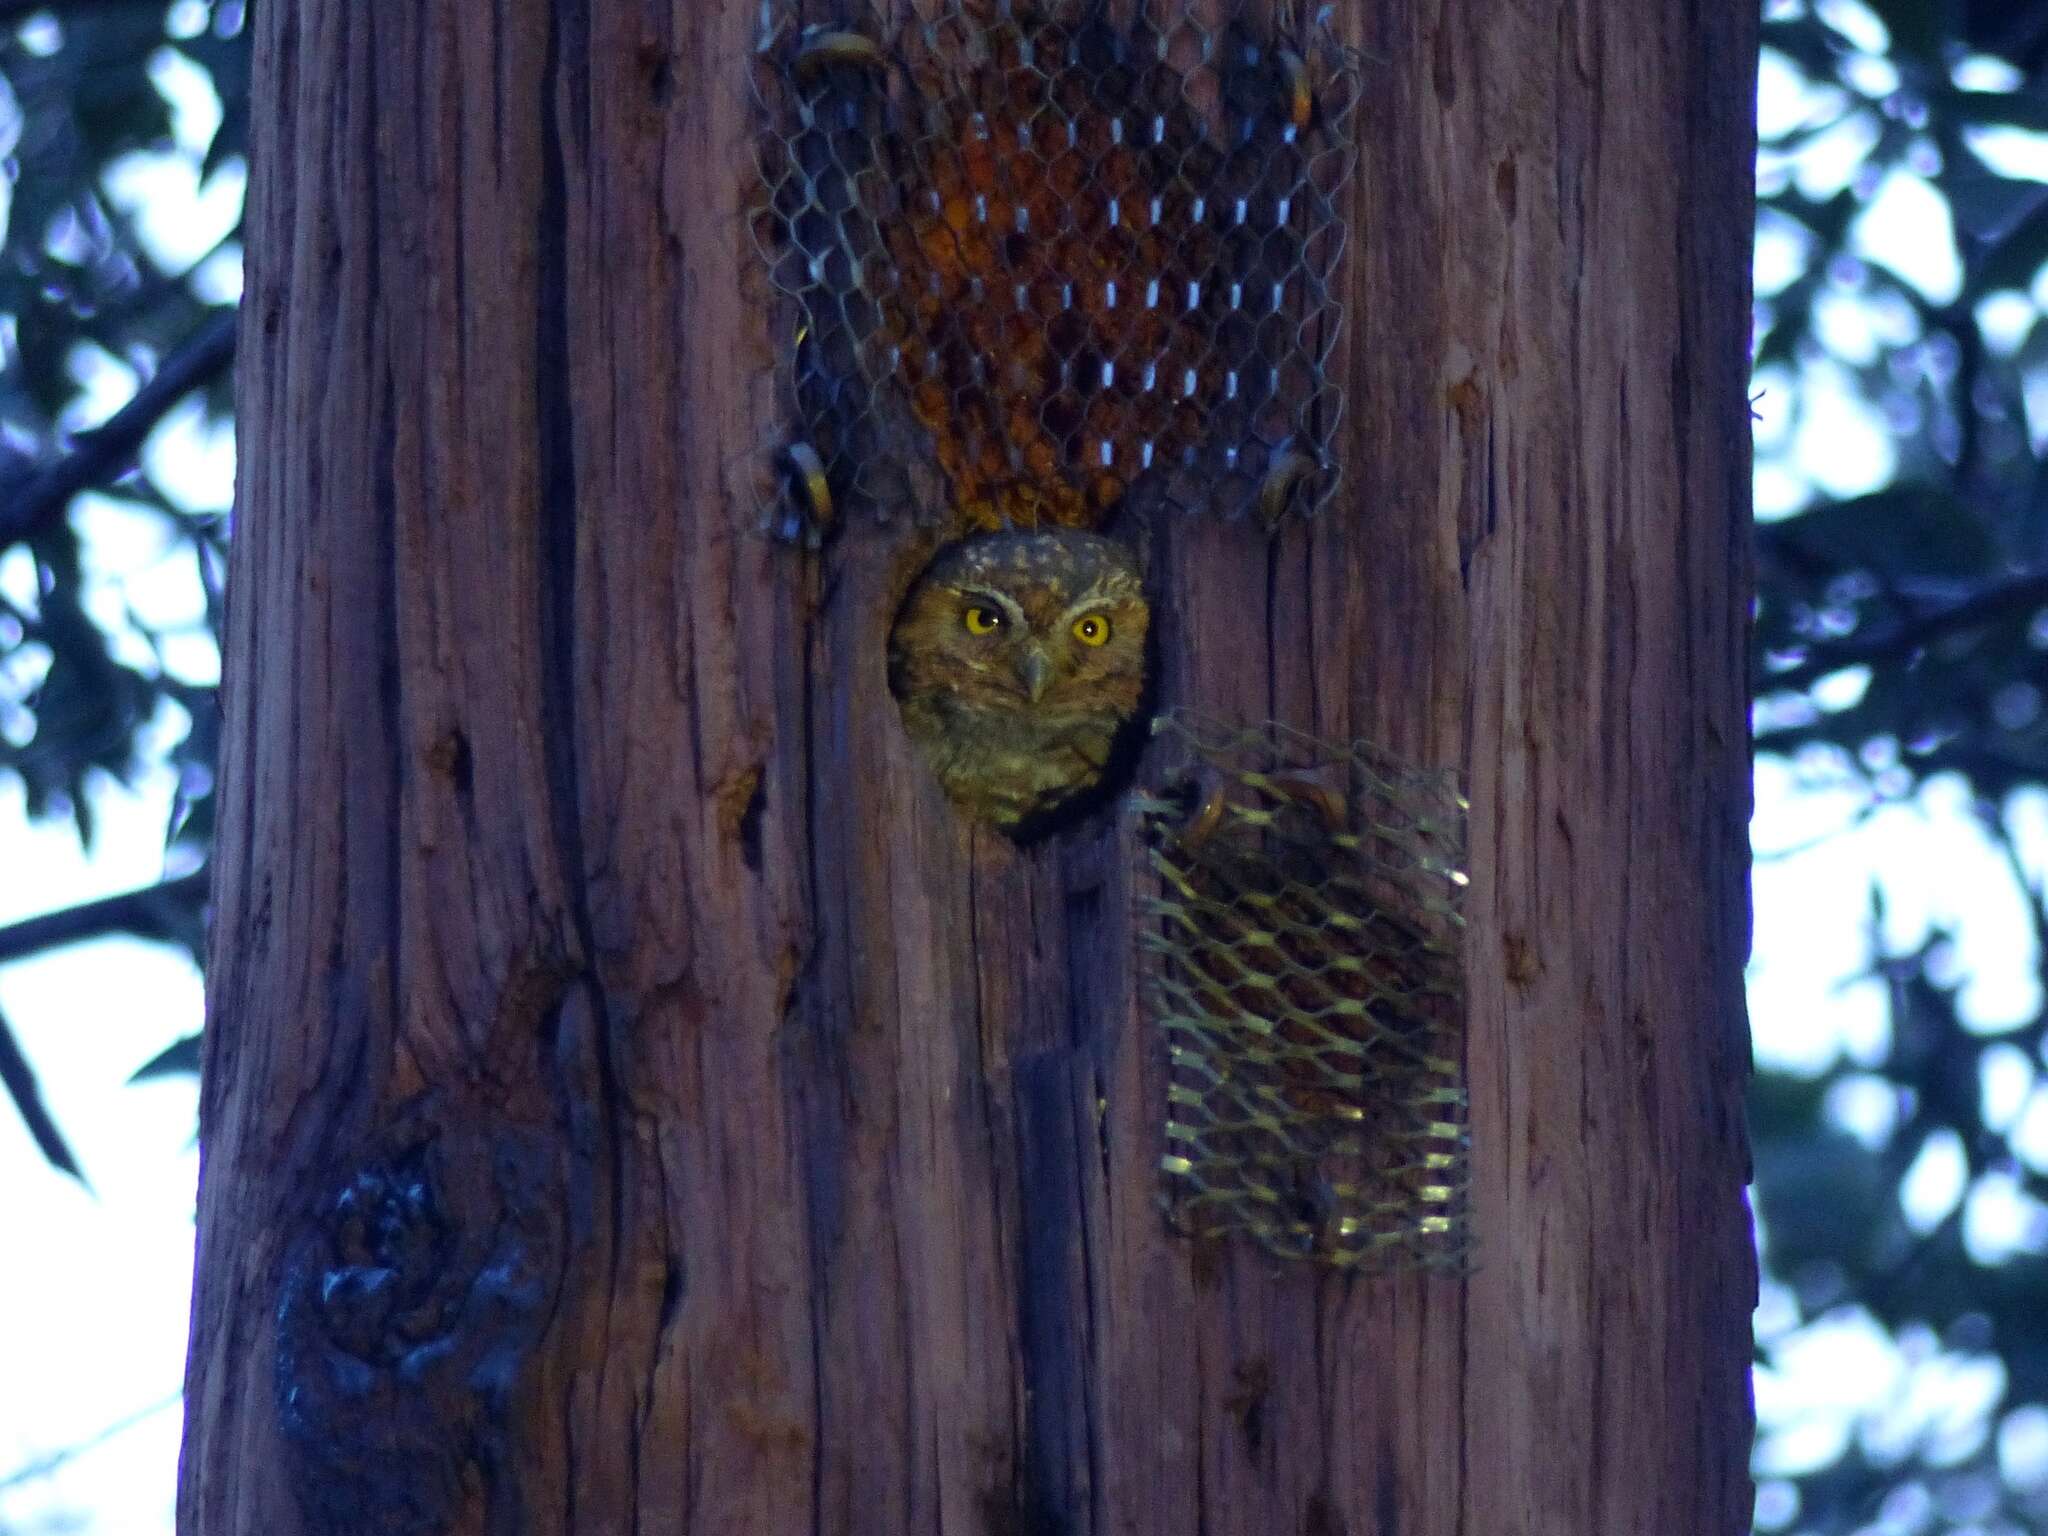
(1018, 658)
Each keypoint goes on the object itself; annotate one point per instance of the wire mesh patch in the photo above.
(1305, 967)
(1052, 252)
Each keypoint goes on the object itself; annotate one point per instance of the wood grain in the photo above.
(560, 810)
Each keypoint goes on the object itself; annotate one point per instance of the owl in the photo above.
(1018, 659)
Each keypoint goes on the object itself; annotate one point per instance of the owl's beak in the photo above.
(1034, 671)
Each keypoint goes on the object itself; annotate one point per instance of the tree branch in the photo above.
(108, 450)
(46, 1465)
(149, 912)
(1902, 641)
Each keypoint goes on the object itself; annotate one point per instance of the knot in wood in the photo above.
(412, 1298)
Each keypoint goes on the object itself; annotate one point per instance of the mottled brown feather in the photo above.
(1001, 754)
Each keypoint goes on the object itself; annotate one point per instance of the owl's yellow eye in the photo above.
(981, 621)
(1092, 629)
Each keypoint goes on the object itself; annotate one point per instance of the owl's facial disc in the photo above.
(1018, 660)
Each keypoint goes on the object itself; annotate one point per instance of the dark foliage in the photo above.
(83, 290)
(1900, 637)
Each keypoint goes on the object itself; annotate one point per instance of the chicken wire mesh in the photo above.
(1032, 257)
(1304, 966)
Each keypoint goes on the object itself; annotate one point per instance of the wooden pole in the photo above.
(633, 1101)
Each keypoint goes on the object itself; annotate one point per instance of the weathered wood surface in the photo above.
(789, 1153)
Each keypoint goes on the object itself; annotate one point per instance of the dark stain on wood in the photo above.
(1251, 1384)
(413, 1300)
(1320, 1518)
(1520, 963)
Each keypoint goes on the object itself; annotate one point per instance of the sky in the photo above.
(95, 1283)
(94, 1296)
(95, 1289)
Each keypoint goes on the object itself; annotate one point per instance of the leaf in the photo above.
(178, 1059)
(19, 1079)
(231, 139)
(2010, 109)
(1989, 209)
(1904, 534)
(1916, 27)
(2016, 254)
